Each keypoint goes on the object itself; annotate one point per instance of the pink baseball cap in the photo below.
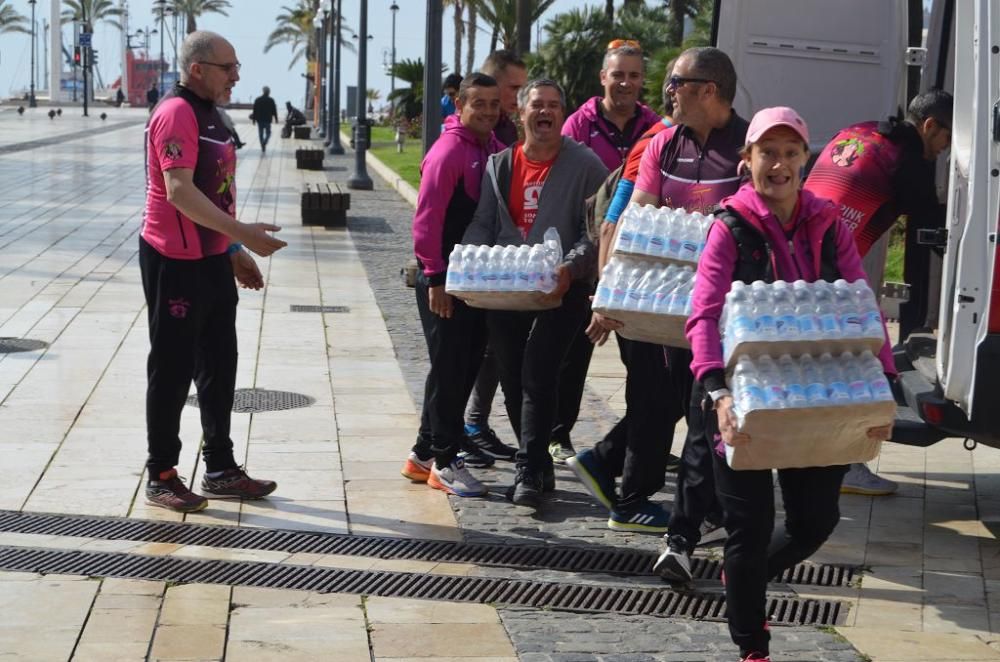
(768, 118)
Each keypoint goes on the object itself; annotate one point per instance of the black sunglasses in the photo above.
(677, 81)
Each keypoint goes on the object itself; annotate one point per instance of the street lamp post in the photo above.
(320, 77)
(162, 8)
(362, 131)
(392, 60)
(32, 103)
(335, 146)
(432, 74)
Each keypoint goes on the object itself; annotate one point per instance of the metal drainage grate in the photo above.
(255, 400)
(12, 345)
(296, 308)
(501, 592)
(568, 558)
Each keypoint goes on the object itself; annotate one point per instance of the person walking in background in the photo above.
(152, 96)
(510, 74)
(449, 91)
(530, 187)
(793, 226)
(876, 172)
(265, 111)
(450, 179)
(190, 250)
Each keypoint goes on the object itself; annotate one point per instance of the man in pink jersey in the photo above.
(190, 251)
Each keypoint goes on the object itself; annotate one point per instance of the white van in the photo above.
(849, 61)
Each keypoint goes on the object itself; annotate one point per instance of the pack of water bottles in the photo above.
(662, 232)
(652, 300)
(824, 381)
(798, 317)
(504, 277)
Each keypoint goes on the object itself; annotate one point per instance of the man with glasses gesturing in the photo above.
(190, 251)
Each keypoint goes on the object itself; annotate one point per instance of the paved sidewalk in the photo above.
(71, 430)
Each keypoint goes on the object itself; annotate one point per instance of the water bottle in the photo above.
(826, 310)
(847, 309)
(522, 272)
(791, 375)
(689, 239)
(453, 279)
(680, 301)
(771, 382)
(739, 313)
(538, 268)
(480, 266)
(655, 281)
(833, 375)
(661, 296)
(871, 369)
(749, 395)
(785, 319)
(553, 247)
(643, 230)
(805, 310)
(619, 287)
(857, 385)
(658, 235)
(635, 274)
(626, 231)
(871, 314)
(506, 276)
(763, 311)
(705, 226)
(602, 297)
(675, 233)
(816, 391)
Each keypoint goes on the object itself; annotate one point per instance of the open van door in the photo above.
(961, 397)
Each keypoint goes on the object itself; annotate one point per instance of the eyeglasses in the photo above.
(619, 43)
(678, 81)
(228, 68)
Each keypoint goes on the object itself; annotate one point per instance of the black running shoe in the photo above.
(486, 440)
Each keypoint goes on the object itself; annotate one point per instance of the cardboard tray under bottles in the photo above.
(653, 328)
(505, 300)
(810, 436)
(660, 259)
(776, 348)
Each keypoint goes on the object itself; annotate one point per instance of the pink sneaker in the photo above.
(755, 657)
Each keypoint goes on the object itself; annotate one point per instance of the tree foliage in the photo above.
(191, 10)
(94, 11)
(11, 20)
(294, 27)
(502, 16)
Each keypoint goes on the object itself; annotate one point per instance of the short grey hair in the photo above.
(522, 94)
(198, 46)
(631, 51)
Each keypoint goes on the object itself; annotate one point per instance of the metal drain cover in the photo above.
(11, 345)
(298, 308)
(254, 400)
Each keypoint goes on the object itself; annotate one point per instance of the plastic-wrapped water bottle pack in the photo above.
(628, 284)
(805, 381)
(799, 311)
(526, 268)
(662, 232)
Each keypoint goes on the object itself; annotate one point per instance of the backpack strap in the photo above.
(828, 269)
(753, 260)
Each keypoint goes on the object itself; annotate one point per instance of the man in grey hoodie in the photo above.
(528, 188)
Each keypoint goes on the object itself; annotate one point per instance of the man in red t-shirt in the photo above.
(190, 250)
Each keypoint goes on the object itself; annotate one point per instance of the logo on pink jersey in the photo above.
(173, 150)
(178, 307)
(847, 152)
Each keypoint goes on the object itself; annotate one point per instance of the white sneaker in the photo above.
(456, 479)
(674, 564)
(860, 480)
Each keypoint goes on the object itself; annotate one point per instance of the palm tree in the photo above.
(459, 9)
(295, 28)
(502, 15)
(470, 51)
(408, 100)
(94, 10)
(11, 21)
(192, 9)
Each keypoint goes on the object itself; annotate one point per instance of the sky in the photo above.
(247, 27)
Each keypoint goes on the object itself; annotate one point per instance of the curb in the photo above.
(396, 182)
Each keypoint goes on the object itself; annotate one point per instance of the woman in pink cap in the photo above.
(768, 230)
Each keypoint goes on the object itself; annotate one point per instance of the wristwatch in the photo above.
(718, 394)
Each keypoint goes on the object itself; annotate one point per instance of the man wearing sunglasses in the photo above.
(190, 250)
(876, 172)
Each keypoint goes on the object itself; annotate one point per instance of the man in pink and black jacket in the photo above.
(451, 174)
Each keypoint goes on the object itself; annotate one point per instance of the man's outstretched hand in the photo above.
(256, 238)
(246, 271)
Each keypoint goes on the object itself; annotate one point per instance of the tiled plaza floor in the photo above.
(71, 435)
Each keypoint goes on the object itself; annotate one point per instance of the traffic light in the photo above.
(93, 58)
(77, 61)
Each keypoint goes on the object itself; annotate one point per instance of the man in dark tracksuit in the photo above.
(265, 111)
(451, 175)
(189, 252)
(529, 188)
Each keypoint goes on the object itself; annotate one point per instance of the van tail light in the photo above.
(933, 413)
